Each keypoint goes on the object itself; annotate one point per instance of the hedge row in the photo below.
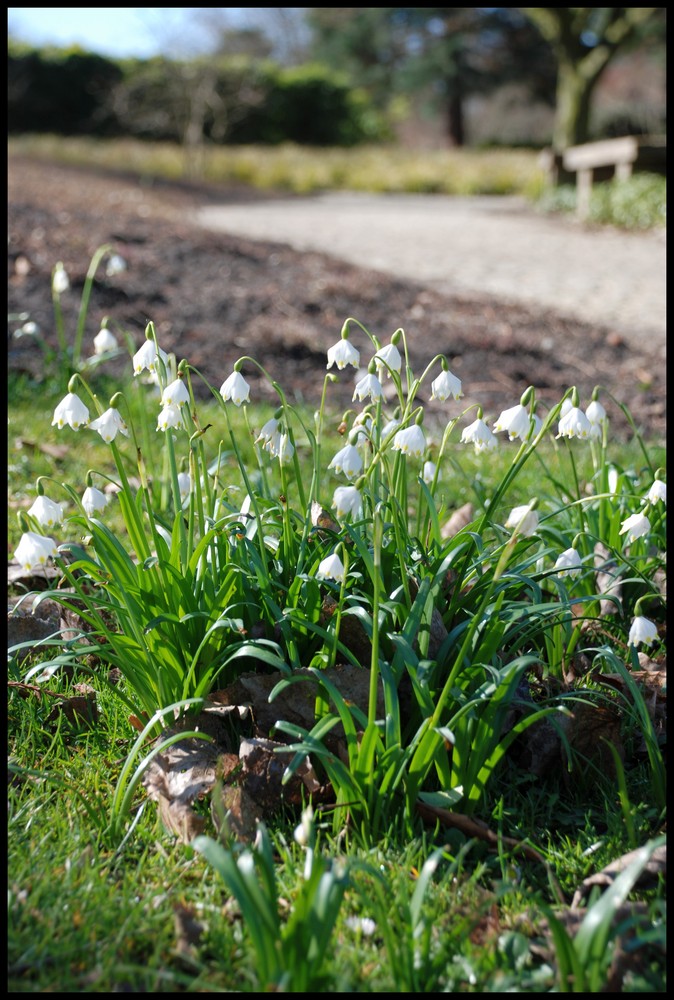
(225, 100)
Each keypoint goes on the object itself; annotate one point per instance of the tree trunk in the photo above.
(456, 132)
(574, 100)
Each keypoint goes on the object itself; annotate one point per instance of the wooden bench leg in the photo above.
(583, 192)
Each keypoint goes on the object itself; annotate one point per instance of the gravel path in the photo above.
(488, 245)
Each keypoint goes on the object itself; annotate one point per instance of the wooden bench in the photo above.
(602, 160)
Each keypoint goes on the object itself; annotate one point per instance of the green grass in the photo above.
(304, 170)
(82, 918)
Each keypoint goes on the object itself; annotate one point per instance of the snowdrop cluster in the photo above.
(374, 432)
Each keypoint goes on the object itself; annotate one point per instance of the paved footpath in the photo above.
(495, 246)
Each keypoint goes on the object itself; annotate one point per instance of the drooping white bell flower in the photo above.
(635, 526)
(574, 424)
(362, 429)
(387, 360)
(169, 416)
(286, 449)
(596, 414)
(523, 520)
(302, 834)
(642, 632)
(658, 491)
(446, 385)
(428, 473)
(331, 568)
(343, 353)
(515, 421)
(33, 550)
(146, 358)
(72, 411)
(479, 435)
(93, 500)
(267, 432)
(60, 280)
(370, 386)
(116, 265)
(109, 424)
(105, 341)
(175, 394)
(235, 388)
(348, 461)
(347, 501)
(389, 428)
(46, 512)
(184, 484)
(569, 563)
(410, 441)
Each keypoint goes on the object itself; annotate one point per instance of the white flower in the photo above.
(267, 432)
(46, 512)
(184, 484)
(109, 424)
(286, 449)
(365, 925)
(387, 359)
(302, 834)
(410, 441)
(523, 520)
(60, 281)
(347, 500)
(348, 461)
(362, 428)
(331, 568)
(635, 526)
(568, 563)
(71, 410)
(389, 428)
(658, 491)
(446, 385)
(93, 500)
(33, 550)
(115, 265)
(342, 354)
(175, 394)
(642, 630)
(235, 388)
(574, 424)
(566, 406)
(370, 386)
(170, 416)
(479, 434)
(516, 421)
(146, 357)
(105, 341)
(596, 414)
(428, 473)
(612, 479)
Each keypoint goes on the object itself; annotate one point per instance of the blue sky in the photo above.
(113, 31)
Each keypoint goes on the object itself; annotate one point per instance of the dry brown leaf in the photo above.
(458, 520)
(655, 866)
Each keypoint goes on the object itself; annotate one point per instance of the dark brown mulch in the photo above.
(214, 297)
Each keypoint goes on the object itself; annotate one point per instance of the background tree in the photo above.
(584, 40)
(438, 56)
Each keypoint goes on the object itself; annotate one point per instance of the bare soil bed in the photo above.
(215, 297)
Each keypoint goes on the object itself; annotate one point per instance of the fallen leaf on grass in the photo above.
(53, 450)
(458, 520)
(655, 866)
